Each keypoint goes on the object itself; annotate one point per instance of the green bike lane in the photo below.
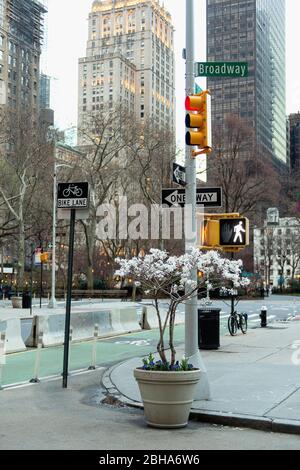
(19, 368)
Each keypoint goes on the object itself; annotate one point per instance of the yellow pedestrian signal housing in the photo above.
(211, 234)
(198, 119)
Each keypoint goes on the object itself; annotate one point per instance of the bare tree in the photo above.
(107, 138)
(24, 152)
(246, 175)
(294, 253)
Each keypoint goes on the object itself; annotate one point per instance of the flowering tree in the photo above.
(160, 274)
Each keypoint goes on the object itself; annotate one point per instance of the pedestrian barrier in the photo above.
(151, 320)
(12, 330)
(111, 322)
(128, 319)
(144, 320)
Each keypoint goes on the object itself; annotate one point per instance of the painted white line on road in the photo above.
(280, 308)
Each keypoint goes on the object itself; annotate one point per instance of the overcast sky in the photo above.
(67, 36)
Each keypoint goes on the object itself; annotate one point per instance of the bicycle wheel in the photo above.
(232, 325)
(243, 323)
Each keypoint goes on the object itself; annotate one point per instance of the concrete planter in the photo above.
(167, 396)
(16, 302)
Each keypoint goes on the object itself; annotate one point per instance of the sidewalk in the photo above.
(255, 380)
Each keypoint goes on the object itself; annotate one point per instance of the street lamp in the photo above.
(53, 303)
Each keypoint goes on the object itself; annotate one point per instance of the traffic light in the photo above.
(198, 119)
(234, 232)
(44, 257)
(225, 232)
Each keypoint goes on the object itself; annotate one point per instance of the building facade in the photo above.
(129, 60)
(251, 31)
(21, 35)
(294, 140)
(277, 249)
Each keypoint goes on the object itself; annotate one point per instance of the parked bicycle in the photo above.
(237, 321)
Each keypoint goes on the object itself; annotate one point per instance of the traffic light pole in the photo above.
(191, 312)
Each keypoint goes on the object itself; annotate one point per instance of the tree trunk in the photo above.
(90, 234)
(21, 256)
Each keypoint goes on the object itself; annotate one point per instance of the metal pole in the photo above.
(232, 297)
(69, 299)
(94, 349)
(2, 261)
(36, 373)
(191, 314)
(53, 303)
(31, 278)
(2, 356)
(41, 288)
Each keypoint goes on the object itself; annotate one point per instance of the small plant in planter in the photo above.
(167, 386)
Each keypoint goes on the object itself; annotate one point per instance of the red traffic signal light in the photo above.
(199, 120)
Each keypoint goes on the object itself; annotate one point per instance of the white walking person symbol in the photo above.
(238, 229)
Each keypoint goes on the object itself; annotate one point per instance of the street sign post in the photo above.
(71, 197)
(179, 175)
(207, 197)
(221, 69)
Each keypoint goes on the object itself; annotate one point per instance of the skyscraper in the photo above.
(21, 35)
(251, 31)
(294, 133)
(129, 59)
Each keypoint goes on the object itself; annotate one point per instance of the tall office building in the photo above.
(129, 60)
(21, 35)
(294, 134)
(251, 31)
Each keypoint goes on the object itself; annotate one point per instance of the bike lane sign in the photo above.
(73, 196)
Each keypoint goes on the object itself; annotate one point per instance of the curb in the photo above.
(248, 421)
(259, 423)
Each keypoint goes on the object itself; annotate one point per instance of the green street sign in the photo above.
(221, 69)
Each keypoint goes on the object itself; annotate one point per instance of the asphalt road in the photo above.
(19, 367)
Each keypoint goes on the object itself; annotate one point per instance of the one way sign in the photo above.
(207, 197)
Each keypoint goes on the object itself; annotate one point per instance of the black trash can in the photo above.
(209, 328)
(26, 300)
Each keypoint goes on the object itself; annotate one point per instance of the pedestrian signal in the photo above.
(234, 232)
